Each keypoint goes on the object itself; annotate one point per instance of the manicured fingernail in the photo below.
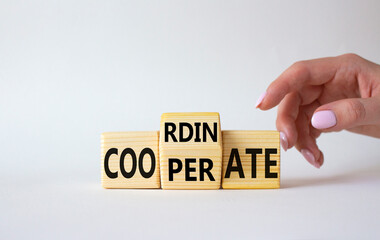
(310, 157)
(323, 119)
(284, 141)
(260, 99)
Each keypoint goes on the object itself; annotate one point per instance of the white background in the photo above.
(70, 70)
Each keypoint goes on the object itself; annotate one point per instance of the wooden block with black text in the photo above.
(251, 159)
(190, 151)
(130, 160)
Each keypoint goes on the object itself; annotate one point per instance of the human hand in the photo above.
(324, 95)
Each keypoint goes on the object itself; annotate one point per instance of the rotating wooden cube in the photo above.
(190, 151)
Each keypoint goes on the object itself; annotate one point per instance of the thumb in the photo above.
(346, 113)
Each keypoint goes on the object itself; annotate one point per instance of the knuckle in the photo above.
(300, 68)
(351, 57)
(357, 110)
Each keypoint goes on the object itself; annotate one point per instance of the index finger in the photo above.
(299, 75)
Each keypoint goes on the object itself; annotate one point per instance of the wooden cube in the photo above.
(190, 151)
(130, 160)
(251, 159)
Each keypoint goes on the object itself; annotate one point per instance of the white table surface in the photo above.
(335, 202)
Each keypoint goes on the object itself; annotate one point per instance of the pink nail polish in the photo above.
(309, 157)
(323, 119)
(260, 99)
(284, 141)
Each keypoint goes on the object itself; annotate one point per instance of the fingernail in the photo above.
(260, 99)
(309, 157)
(323, 119)
(284, 141)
